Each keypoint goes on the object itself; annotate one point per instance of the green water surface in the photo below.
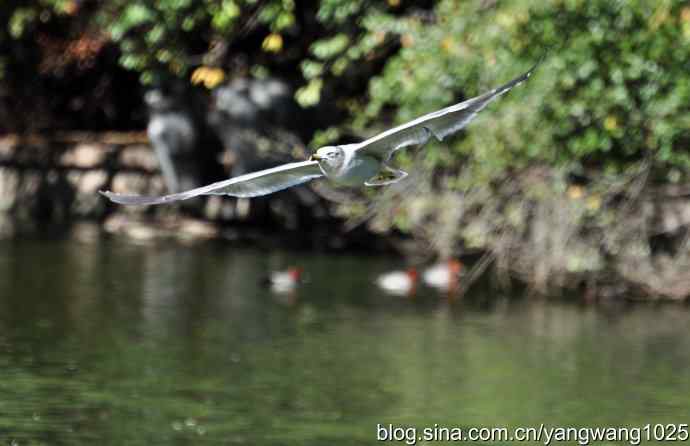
(110, 342)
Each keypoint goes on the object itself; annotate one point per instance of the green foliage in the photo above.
(338, 11)
(169, 36)
(20, 20)
(624, 81)
(612, 94)
(22, 16)
(614, 87)
(328, 48)
(347, 43)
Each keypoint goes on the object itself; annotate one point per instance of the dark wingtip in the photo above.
(541, 59)
(534, 67)
(524, 77)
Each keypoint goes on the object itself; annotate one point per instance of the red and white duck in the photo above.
(399, 283)
(444, 276)
(282, 282)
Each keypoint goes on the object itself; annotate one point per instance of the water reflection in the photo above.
(124, 344)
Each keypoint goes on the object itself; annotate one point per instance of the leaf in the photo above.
(272, 43)
(327, 48)
(310, 94)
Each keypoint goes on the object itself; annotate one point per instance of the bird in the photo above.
(444, 276)
(399, 283)
(281, 282)
(350, 165)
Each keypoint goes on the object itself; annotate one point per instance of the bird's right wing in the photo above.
(254, 184)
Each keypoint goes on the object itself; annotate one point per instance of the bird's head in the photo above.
(295, 273)
(454, 266)
(412, 274)
(330, 156)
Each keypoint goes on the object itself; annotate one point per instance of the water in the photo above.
(109, 342)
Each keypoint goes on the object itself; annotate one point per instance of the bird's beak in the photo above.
(315, 157)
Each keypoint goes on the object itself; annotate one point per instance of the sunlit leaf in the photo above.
(310, 94)
(272, 43)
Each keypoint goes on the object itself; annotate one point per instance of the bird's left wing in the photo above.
(439, 124)
(253, 184)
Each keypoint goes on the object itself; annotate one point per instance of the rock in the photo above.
(189, 228)
(91, 182)
(9, 185)
(84, 156)
(85, 231)
(135, 183)
(138, 157)
(233, 100)
(120, 224)
(87, 201)
(7, 148)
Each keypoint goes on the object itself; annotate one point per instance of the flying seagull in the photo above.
(365, 163)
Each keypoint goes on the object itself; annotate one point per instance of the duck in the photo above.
(282, 282)
(399, 283)
(444, 276)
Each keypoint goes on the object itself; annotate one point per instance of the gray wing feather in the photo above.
(254, 184)
(439, 124)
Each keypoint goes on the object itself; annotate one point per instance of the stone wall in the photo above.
(55, 179)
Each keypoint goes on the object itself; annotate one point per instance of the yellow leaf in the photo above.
(611, 123)
(71, 7)
(447, 44)
(594, 203)
(407, 40)
(198, 75)
(208, 76)
(659, 17)
(273, 43)
(576, 192)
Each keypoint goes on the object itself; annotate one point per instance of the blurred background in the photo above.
(534, 268)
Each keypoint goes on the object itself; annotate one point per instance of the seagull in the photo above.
(349, 165)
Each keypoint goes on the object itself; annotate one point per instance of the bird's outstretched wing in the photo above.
(253, 184)
(439, 124)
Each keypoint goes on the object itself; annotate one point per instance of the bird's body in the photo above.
(284, 281)
(346, 165)
(399, 283)
(444, 276)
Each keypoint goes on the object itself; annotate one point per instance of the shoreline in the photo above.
(540, 230)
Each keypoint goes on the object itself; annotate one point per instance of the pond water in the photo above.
(111, 342)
